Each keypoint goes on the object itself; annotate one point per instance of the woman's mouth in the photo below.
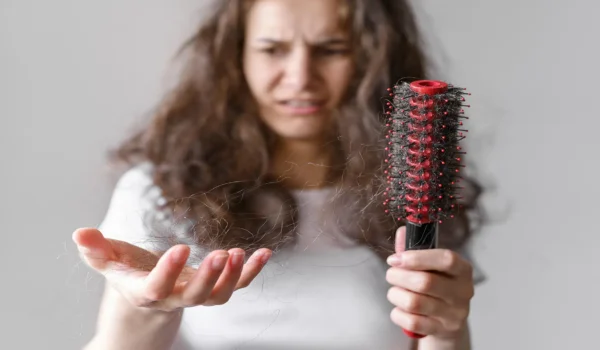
(301, 107)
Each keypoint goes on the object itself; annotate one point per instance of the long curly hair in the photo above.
(210, 153)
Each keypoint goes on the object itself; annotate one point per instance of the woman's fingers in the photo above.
(94, 248)
(253, 267)
(439, 260)
(199, 288)
(160, 281)
(418, 324)
(229, 278)
(420, 304)
(432, 284)
(220, 274)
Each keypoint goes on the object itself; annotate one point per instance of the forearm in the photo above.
(124, 326)
(461, 342)
(153, 333)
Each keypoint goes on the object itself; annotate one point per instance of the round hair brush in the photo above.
(424, 127)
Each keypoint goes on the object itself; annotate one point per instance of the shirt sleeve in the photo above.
(132, 200)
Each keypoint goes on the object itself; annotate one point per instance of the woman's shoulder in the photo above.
(136, 190)
(137, 178)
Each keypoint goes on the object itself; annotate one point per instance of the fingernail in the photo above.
(219, 261)
(237, 259)
(394, 260)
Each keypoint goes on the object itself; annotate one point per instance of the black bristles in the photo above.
(424, 155)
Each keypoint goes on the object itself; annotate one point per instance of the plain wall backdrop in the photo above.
(75, 77)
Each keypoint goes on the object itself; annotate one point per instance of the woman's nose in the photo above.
(299, 69)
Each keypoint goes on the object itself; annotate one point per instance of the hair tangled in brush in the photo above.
(424, 153)
(210, 153)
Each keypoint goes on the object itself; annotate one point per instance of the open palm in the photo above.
(164, 282)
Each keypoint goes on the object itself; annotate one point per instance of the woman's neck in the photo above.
(300, 164)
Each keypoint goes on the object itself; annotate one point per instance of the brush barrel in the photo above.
(421, 151)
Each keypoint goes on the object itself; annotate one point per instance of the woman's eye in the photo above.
(326, 51)
(273, 51)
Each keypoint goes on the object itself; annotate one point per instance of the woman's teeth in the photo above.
(301, 104)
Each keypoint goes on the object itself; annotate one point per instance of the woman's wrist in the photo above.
(155, 317)
(456, 341)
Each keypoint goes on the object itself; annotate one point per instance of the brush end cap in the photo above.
(428, 87)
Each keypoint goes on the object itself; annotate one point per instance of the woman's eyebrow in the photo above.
(320, 42)
(332, 41)
(270, 41)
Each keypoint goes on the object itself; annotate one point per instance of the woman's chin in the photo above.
(301, 131)
(300, 136)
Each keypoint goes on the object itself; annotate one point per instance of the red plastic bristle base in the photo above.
(422, 149)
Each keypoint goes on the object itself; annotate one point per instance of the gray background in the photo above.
(76, 75)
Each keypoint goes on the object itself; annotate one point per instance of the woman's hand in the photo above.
(165, 282)
(432, 290)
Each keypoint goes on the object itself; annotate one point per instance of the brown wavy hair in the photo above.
(210, 153)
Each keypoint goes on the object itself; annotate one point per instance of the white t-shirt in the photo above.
(324, 293)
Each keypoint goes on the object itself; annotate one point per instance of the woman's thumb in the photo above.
(94, 248)
(400, 244)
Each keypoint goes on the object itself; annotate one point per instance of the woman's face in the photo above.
(298, 64)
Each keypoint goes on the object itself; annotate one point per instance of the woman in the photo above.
(268, 151)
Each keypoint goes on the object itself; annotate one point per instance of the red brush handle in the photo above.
(420, 237)
(413, 335)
